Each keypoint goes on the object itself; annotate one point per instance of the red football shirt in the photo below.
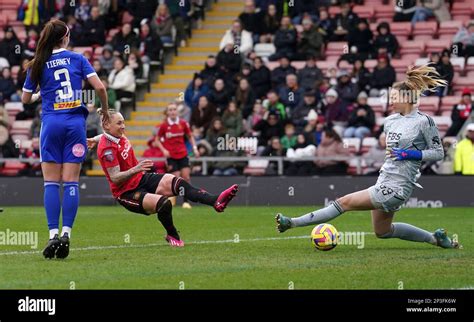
(114, 152)
(172, 136)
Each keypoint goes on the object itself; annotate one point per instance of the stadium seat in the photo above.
(325, 65)
(98, 51)
(367, 144)
(353, 144)
(458, 64)
(334, 10)
(345, 65)
(447, 103)
(11, 168)
(15, 70)
(460, 83)
(377, 105)
(437, 45)
(264, 50)
(470, 64)
(429, 104)
(412, 47)
(364, 11)
(422, 61)
(462, 8)
(11, 4)
(13, 108)
(271, 65)
(82, 50)
(400, 65)
(447, 29)
(336, 48)
(384, 12)
(425, 28)
(354, 165)
(256, 167)
(443, 123)
(370, 64)
(298, 64)
(21, 130)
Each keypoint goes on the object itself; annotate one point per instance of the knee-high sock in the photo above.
(409, 232)
(164, 213)
(318, 216)
(70, 205)
(52, 206)
(182, 188)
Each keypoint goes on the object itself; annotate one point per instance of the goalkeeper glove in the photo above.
(401, 154)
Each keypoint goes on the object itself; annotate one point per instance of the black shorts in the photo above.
(177, 164)
(132, 200)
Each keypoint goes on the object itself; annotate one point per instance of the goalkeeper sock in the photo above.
(181, 187)
(318, 216)
(70, 204)
(409, 232)
(52, 206)
(164, 214)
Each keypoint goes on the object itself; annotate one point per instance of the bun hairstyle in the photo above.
(419, 79)
(101, 113)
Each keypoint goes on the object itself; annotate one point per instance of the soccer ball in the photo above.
(324, 237)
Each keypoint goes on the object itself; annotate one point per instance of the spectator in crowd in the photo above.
(83, 11)
(93, 122)
(360, 39)
(460, 113)
(300, 113)
(361, 119)
(194, 91)
(21, 76)
(153, 151)
(184, 111)
(291, 94)
(311, 41)
(141, 9)
(463, 160)
(260, 78)
(446, 71)
(76, 31)
(229, 61)
(404, 10)
(162, 24)
(331, 146)
(270, 25)
(382, 78)
(464, 39)
(215, 131)
(346, 89)
(251, 19)
(125, 40)
(211, 71)
(302, 148)
(179, 13)
(278, 75)
(375, 157)
(121, 79)
(203, 114)
(304, 9)
(7, 146)
(274, 105)
(430, 8)
(4, 119)
(244, 97)
(219, 96)
(32, 15)
(101, 72)
(325, 24)
(135, 63)
(310, 74)
(8, 87)
(360, 75)
(285, 40)
(244, 73)
(270, 126)
(107, 58)
(111, 95)
(336, 111)
(10, 47)
(232, 120)
(150, 44)
(94, 29)
(239, 38)
(35, 129)
(273, 149)
(385, 42)
(344, 22)
(257, 115)
(314, 129)
(289, 140)
(30, 43)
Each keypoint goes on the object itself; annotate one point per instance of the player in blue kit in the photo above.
(412, 137)
(58, 73)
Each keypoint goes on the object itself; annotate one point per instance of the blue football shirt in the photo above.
(61, 82)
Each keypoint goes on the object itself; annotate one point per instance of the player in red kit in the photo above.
(143, 192)
(171, 141)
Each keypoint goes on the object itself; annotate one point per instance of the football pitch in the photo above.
(112, 248)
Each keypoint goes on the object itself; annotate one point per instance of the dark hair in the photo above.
(331, 133)
(51, 36)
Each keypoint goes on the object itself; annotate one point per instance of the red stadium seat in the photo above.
(364, 11)
(447, 103)
(325, 65)
(272, 65)
(11, 168)
(459, 83)
(370, 64)
(378, 105)
(82, 50)
(298, 64)
(401, 28)
(429, 105)
(437, 45)
(462, 8)
(13, 108)
(334, 10)
(458, 64)
(354, 164)
(412, 47)
(384, 11)
(443, 123)
(449, 28)
(11, 4)
(345, 65)
(425, 28)
(367, 144)
(336, 48)
(470, 64)
(401, 65)
(353, 144)
(422, 38)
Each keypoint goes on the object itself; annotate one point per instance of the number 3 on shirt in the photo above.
(66, 92)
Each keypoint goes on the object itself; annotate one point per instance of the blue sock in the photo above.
(52, 203)
(70, 203)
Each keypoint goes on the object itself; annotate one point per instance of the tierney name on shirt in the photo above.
(58, 62)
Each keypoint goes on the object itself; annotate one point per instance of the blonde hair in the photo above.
(101, 113)
(419, 79)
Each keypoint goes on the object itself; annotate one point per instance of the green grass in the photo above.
(148, 263)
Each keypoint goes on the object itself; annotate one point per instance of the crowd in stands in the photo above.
(305, 79)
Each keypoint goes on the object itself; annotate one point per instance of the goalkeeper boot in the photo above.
(283, 223)
(63, 250)
(442, 239)
(51, 247)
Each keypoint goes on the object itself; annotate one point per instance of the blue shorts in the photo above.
(63, 138)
